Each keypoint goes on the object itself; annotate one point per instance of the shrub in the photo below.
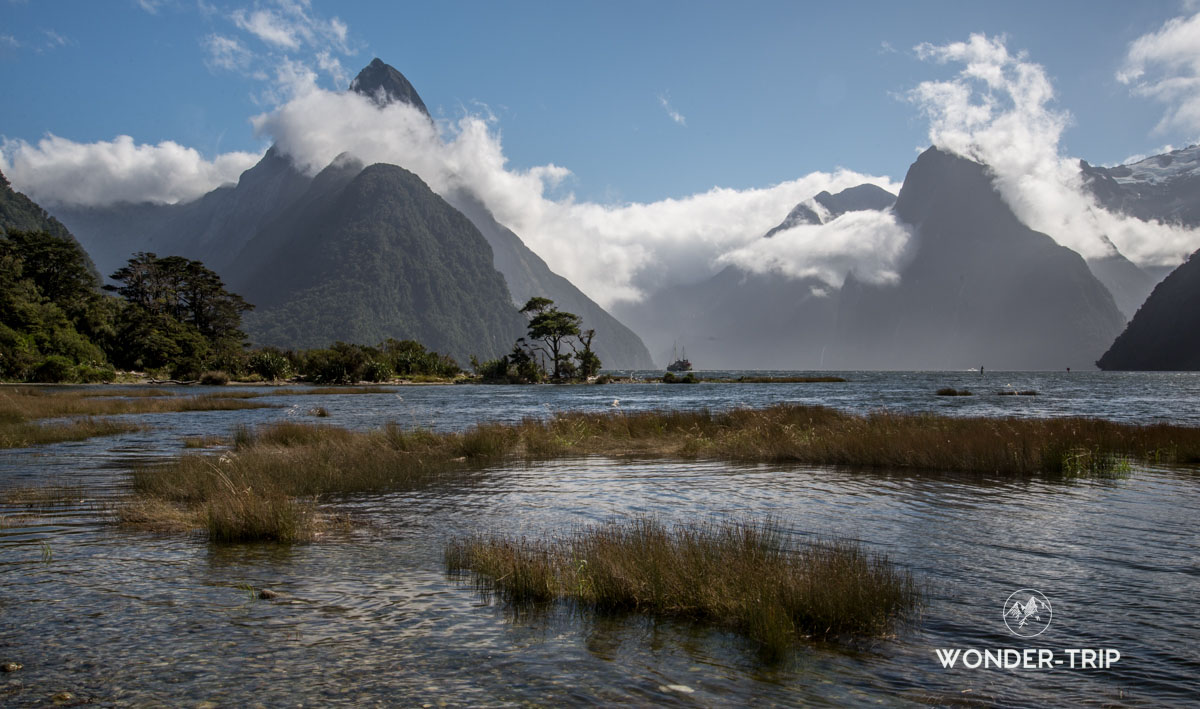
(270, 364)
(54, 368)
(214, 378)
(377, 371)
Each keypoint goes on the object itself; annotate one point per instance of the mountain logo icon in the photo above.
(1027, 613)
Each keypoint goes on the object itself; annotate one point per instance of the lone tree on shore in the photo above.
(552, 328)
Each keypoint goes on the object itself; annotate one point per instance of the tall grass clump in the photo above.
(22, 434)
(267, 486)
(741, 575)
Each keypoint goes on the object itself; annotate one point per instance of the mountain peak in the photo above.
(383, 84)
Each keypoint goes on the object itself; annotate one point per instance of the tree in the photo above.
(589, 362)
(553, 328)
(185, 290)
(177, 313)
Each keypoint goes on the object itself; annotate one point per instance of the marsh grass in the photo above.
(290, 460)
(20, 407)
(27, 403)
(204, 441)
(22, 434)
(742, 575)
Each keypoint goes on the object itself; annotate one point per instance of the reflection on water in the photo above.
(370, 617)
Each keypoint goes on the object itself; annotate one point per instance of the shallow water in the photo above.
(370, 617)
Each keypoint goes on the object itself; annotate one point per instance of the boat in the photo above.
(681, 364)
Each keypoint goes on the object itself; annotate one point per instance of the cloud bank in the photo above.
(611, 252)
(59, 171)
(868, 243)
(997, 110)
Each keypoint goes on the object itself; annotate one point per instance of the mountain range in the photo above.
(441, 271)
(364, 252)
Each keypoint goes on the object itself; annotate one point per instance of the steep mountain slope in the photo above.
(19, 213)
(528, 276)
(526, 273)
(738, 319)
(980, 288)
(1165, 333)
(379, 256)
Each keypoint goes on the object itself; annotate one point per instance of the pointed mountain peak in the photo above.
(383, 84)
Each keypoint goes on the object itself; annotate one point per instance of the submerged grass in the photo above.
(291, 464)
(742, 575)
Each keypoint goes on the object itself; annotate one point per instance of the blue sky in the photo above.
(764, 91)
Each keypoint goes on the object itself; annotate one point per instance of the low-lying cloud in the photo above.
(870, 244)
(997, 110)
(58, 171)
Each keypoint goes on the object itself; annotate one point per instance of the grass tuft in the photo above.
(741, 575)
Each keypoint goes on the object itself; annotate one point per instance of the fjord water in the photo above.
(369, 616)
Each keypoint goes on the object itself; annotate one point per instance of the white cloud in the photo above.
(227, 53)
(869, 243)
(55, 40)
(1165, 66)
(289, 24)
(283, 40)
(996, 110)
(9, 41)
(612, 252)
(675, 115)
(151, 6)
(62, 171)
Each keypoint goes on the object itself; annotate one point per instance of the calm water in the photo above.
(370, 617)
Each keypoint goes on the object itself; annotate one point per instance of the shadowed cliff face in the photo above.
(372, 254)
(1164, 335)
(979, 288)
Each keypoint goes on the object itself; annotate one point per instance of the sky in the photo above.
(629, 143)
